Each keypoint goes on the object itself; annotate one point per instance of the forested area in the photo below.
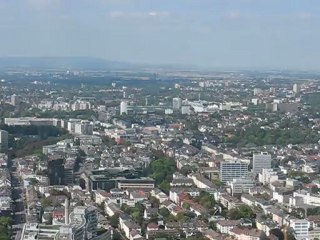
(264, 136)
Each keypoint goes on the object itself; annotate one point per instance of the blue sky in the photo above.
(281, 34)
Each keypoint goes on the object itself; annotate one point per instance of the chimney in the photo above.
(66, 211)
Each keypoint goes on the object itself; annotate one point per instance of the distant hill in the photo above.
(78, 63)
(62, 63)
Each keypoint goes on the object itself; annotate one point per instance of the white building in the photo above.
(168, 111)
(230, 170)
(268, 176)
(239, 186)
(123, 107)
(3, 140)
(296, 88)
(300, 228)
(27, 121)
(176, 103)
(304, 198)
(257, 91)
(261, 161)
(72, 125)
(80, 105)
(15, 100)
(83, 128)
(185, 110)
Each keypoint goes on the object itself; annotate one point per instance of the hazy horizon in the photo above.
(243, 34)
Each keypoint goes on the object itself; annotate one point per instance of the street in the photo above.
(18, 205)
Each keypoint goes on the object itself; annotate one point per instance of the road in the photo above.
(18, 205)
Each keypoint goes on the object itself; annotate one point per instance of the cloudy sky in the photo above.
(283, 34)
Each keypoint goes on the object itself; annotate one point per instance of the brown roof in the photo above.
(247, 231)
(314, 218)
(153, 225)
(228, 222)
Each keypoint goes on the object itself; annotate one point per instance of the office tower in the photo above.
(176, 103)
(230, 170)
(56, 171)
(3, 140)
(123, 107)
(261, 161)
(69, 168)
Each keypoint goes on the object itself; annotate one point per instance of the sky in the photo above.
(251, 34)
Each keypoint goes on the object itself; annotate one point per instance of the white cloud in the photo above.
(158, 14)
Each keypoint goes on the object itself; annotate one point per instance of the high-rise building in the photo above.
(56, 171)
(66, 211)
(230, 170)
(3, 140)
(257, 91)
(261, 161)
(296, 88)
(15, 100)
(89, 217)
(123, 107)
(83, 128)
(176, 103)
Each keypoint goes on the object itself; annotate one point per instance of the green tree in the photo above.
(243, 211)
(5, 228)
(114, 220)
(161, 171)
(164, 212)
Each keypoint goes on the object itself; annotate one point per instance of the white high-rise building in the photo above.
(176, 103)
(261, 161)
(3, 140)
(123, 107)
(230, 170)
(15, 100)
(296, 88)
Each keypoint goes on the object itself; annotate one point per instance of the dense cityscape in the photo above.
(159, 154)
